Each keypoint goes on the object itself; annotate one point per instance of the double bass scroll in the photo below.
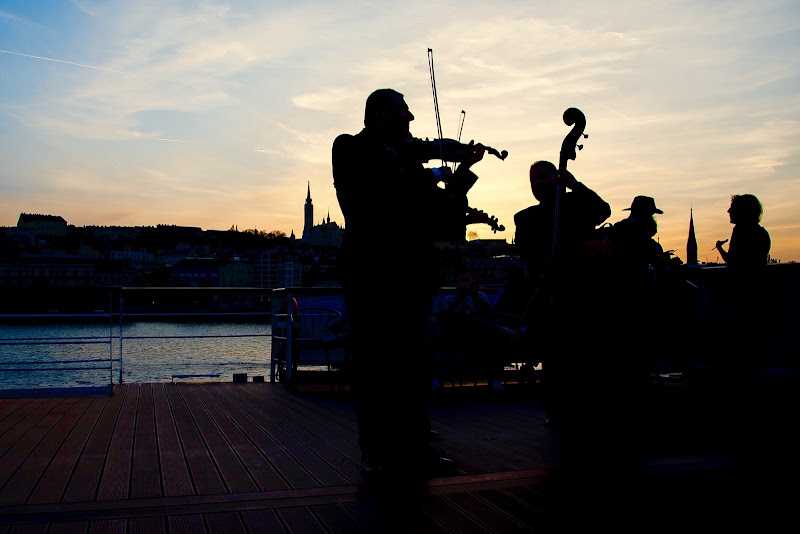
(575, 118)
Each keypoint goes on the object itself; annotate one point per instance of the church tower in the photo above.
(309, 220)
(691, 244)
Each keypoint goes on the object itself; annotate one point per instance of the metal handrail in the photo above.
(75, 340)
(115, 339)
(116, 316)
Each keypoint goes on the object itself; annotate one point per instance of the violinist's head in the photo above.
(543, 180)
(386, 115)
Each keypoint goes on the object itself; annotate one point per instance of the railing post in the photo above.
(289, 321)
(110, 337)
(120, 335)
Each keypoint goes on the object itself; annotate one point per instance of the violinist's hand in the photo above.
(442, 174)
(720, 243)
(474, 155)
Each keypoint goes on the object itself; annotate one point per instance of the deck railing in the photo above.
(125, 304)
(55, 365)
(703, 319)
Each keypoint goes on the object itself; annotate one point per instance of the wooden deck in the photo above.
(230, 458)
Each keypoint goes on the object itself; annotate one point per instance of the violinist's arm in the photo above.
(463, 179)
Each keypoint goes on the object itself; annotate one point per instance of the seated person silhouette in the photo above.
(468, 317)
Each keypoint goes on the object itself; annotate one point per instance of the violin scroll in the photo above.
(503, 154)
(475, 215)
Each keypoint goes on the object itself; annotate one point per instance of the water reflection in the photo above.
(147, 356)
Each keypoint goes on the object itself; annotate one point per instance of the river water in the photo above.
(151, 352)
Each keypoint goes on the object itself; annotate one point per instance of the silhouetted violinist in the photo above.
(383, 188)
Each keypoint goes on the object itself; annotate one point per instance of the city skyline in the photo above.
(214, 115)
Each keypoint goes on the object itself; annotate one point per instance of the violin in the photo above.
(449, 149)
(455, 151)
(475, 215)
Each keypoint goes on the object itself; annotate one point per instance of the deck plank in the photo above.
(233, 473)
(496, 455)
(116, 478)
(445, 512)
(343, 438)
(225, 523)
(319, 441)
(338, 418)
(305, 456)
(301, 519)
(22, 482)
(522, 511)
(397, 518)
(147, 525)
(16, 455)
(69, 527)
(492, 518)
(186, 524)
(110, 526)
(247, 415)
(82, 486)
(10, 406)
(145, 474)
(338, 520)
(263, 521)
(498, 438)
(50, 487)
(259, 468)
(205, 477)
(39, 528)
(18, 424)
(175, 477)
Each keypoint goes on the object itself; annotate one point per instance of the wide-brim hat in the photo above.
(644, 204)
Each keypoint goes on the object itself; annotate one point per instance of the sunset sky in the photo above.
(213, 114)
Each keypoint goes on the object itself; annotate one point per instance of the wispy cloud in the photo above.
(74, 63)
(684, 101)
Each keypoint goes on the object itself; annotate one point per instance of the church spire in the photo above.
(309, 215)
(691, 244)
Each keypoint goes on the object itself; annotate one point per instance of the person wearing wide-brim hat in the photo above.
(643, 205)
(633, 236)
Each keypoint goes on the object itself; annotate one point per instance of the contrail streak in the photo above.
(76, 64)
(170, 140)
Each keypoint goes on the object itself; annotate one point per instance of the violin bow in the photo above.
(460, 129)
(436, 105)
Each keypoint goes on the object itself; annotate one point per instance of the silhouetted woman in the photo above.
(746, 325)
(750, 242)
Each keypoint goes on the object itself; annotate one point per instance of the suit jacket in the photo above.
(394, 213)
(581, 211)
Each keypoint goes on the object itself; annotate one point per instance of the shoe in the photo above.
(433, 435)
(369, 468)
(496, 385)
(439, 466)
